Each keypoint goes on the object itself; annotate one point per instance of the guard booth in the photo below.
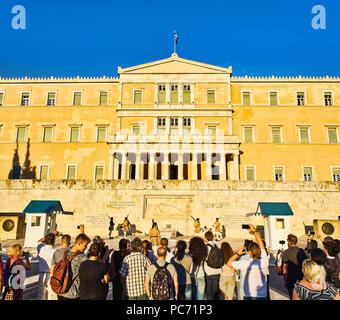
(276, 222)
(41, 218)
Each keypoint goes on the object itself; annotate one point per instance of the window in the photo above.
(15, 172)
(307, 174)
(43, 172)
(250, 173)
(74, 135)
(336, 174)
(273, 98)
(1, 98)
(173, 172)
(21, 134)
(173, 125)
(211, 130)
(71, 172)
(161, 93)
(103, 98)
(174, 93)
(328, 98)
(161, 125)
(276, 134)
(77, 98)
(25, 99)
(279, 223)
(304, 135)
(186, 125)
(215, 172)
(101, 134)
(278, 173)
(210, 96)
(186, 93)
(136, 130)
(138, 96)
(332, 135)
(248, 134)
(99, 172)
(301, 98)
(51, 98)
(35, 222)
(47, 137)
(246, 98)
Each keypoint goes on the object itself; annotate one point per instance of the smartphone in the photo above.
(312, 233)
(245, 226)
(282, 242)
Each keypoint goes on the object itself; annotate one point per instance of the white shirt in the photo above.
(211, 271)
(255, 278)
(45, 254)
(169, 256)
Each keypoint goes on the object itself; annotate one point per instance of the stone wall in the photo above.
(171, 203)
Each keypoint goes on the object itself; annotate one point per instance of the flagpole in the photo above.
(175, 41)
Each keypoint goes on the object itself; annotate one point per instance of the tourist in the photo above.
(318, 256)
(183, 265)
(332, 264)
(154, 235)
(161, 275)
(313, 286)
(118, 257)
(267, 269)
(227, 278)
(311, 244)
(45, 251)
(93, 276)
(212, 272)
(133, 271)
(255, 280)
(199, 252)
(78, 250)
(147, 251)
(59, 253)
(337, 241)
(240, 274)
(292, 263)
(15, 291)
(165, 244)
(1, 276)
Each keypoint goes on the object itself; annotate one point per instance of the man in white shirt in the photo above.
(212, 274)
(255, 278)
(46, 250)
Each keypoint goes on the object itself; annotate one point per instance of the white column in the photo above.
(180, 126)
(111, 164)
(138, 166)
(115, 168)
(192, 93)
(234, 174)
(208, 166)
(166, 166)
(223, 175)
(194, 166)
(124, 162)
(193, 125)
(180, 93)
(180, 166)
(167, 93)
(152, 167)
(167, 125)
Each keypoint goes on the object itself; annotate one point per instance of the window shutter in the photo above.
(74, 134)
(1, 99)
(273, 98)
(336, 174)
(248, 134)
(332, 135)
(186, 95)
(77, 99)
(246, 98)
(99, 172)
(101, 134)
(137, 97)
(71, 174)
(174, 94)
(43, 172)
(211, 96)
(48, 134)
(103, 98)
(250, 173)
(21, 134)
(276, 134)
(304, 135)
(212, 130)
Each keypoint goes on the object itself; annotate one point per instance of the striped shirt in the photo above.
(134, 269)
(307, 294)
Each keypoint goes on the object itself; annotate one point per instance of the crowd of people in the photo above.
(198, 270)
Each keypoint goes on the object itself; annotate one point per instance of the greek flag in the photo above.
(176, 37)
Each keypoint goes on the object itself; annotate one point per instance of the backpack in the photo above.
(332, 267)
(61, 279)
(161, 284)
(215, 258)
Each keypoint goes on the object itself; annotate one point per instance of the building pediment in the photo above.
(174, 65)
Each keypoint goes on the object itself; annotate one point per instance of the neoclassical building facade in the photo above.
(172, 119)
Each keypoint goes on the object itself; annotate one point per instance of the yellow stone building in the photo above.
(172, 119)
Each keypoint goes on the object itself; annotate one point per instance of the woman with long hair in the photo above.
(147, 251)
(227, 278)
(183, 264)
(198, 251)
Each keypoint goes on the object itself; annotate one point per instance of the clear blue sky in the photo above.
(93, 38)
